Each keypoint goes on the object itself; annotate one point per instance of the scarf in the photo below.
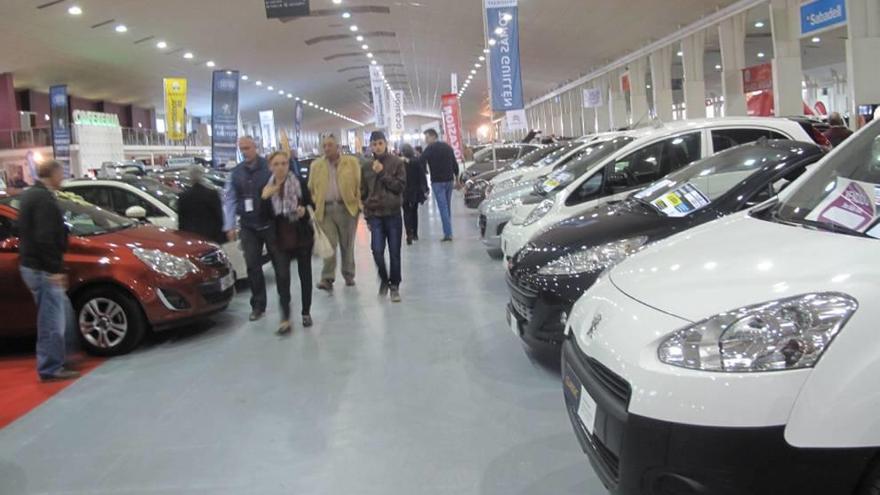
(286, 202)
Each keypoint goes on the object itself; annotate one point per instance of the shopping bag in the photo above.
(323, 248)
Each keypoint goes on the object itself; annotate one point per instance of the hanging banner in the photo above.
(60, 112)
(279, 9)
(503, 24)
(451, 114)
(397, 127)
(593, 98)
(298, 112)
(758, 78)
(267, 129)
(224, 117)
(175, 108)
(377, 78)
(822, 15)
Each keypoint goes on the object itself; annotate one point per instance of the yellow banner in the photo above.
(175, 108)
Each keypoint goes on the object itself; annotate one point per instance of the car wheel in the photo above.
(110, 322)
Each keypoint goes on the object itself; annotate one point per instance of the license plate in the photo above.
(226, 282)
(514, 324)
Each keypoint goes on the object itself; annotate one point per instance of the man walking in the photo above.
(335, 184)
(384, 181)
(43, 238)
(440, 159)
(200, 209)
(243, 200)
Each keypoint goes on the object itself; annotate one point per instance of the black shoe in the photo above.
(409, 241)
(60, 375)
(447, 239)
(307, 321)
(383, 289)
(415, 237)
(256, 315)
(395, 295)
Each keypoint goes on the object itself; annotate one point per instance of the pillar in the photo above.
(8, 109)
(661, 82)
(638, 96)
(732, 34)
(785, 20)
(693, 49)
(862, 47)
(603, 113)
(617, 101)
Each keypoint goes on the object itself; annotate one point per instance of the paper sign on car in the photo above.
(852, 204)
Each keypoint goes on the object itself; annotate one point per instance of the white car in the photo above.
(513, 178)
(741, 356)
(654, 153)
(145, 199)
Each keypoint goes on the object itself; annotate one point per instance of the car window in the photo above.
(98, 196)
(723, 139)
(654, 161)
(586, 159)
(84, 219)
(589, 189)
(758, 197)
(123, 200)
(501, 153)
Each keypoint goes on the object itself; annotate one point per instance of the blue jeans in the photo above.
(54, 320)
(387, 230)
(443, 196)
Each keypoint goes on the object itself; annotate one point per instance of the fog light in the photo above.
(173, 300)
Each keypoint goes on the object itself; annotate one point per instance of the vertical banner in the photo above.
(516, 120)
(60, 112)
(298, 112)
(224, 117)
(175, 108)
(377, 77)
(280, 9)
(452, 124)
(593, 98)
(397, 127)
(503, 23)
(267, 129)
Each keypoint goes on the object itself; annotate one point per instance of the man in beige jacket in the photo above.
(335, 184)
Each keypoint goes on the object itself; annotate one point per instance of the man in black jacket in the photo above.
(43, 238)
(199, 209)
(440, 159)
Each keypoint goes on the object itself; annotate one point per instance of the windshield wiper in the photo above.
(645, 204)
(831, 227)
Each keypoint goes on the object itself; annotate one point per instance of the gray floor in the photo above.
(431, 396)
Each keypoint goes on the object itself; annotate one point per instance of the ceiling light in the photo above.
(482, 58)
(210, 63)
(369, 55)
(759, 24)
(74, 10)
(760, 54)
(680, 54)
(486, 50)
(188, 55)
(647, 86)
(270, 88)
(365, 47)
(161, 45)
(229, 73)
(289, 95)
(353, 28)
(121, 28)
(259, 83)
(717, 66)
(473, 71)
(346, 15)
(492, 42)
(816, 39)
(297, 98)
(305, 102)
(244, 77)
(337, 2)
(281, 92)
(374, 62)
(477, 66)
(360, 38)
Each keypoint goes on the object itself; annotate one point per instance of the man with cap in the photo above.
(382, 187)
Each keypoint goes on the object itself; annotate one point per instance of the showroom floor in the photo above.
(431, 396)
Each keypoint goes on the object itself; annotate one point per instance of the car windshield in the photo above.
(586, 159)
(533, 157)
(501, 153)
(83, 219)
(843, 195)
(156, 189)
(697, 185)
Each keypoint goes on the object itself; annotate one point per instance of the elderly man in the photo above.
(243, 202)
(199, 209)
(335, 184)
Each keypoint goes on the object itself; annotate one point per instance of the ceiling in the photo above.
(420, 42)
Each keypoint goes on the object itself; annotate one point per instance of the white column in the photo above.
(862, 49)
(661, 82)
(617, 101)
(638, 96)
(603, 113)
(732, 34)
(693, 49)
(785, 20)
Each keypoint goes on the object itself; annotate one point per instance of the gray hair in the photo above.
(196, 173)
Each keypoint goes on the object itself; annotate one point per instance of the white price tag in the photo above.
(248, 205)
(587, 410)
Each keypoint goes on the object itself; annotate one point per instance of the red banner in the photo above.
(451, 112)
(758, 78)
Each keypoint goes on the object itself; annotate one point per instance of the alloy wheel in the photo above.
(103, 322)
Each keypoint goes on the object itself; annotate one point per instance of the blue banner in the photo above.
(503, 24)
(60, 113)
(298, 111)
(821, 15)
(224, 117)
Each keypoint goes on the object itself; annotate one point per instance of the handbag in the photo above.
(323, 248)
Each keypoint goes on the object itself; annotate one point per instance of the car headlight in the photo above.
(539, 212)
(505, 205)
(784, 334)
(594, 259)
(167, 264)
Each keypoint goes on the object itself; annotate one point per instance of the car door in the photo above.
(16, 303)
(652, 162)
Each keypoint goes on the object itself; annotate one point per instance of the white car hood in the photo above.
(740, 260)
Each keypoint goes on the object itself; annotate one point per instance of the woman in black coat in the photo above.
(416, 193)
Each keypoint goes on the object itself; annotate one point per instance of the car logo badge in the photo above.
(597, 319)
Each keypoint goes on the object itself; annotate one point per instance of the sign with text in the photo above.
(175, 108)
(822, 15)
(758, 78)
(397, 127)
(277, 9)
(451, 114)
(593, 98)
(504, 66)
(516, 120)
(60, 113)
(377, 84)
(267, 129)
(298, 111)
(224, 117)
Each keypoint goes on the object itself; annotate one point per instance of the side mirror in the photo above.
(136, 212)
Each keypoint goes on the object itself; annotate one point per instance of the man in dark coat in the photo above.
(415, 194)
(200, 209)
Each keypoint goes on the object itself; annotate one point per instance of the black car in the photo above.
(492, 158)
(475, 188)
(547, 276)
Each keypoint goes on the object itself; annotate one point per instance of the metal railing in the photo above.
(32, 138)
(151, 137)
(42, 136)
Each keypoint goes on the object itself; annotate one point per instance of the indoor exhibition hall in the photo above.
(439, 247)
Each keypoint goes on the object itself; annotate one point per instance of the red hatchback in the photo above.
(125, 278)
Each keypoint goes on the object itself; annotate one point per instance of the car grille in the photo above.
(610, 380)
(608, 458)
(482, 225)
(215, 259)
(522, 297)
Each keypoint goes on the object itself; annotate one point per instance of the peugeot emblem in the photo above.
(597, 319)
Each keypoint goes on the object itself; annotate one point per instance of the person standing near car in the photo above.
(43, 238)
(838, 131)
(416, 193)
(440, 159)
(200, 209)
(384, 182)
(335, 184)
(243, 201)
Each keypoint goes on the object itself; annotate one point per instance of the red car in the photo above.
(125, 278)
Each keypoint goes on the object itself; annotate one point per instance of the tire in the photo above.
(110, 322)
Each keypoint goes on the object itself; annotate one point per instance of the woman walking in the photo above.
(294, 235)
(415, 194)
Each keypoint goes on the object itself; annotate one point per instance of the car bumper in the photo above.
(541, 318)
(473, 198)
(491, 227)
(170, 305)
(514, 238)
(634, 454)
